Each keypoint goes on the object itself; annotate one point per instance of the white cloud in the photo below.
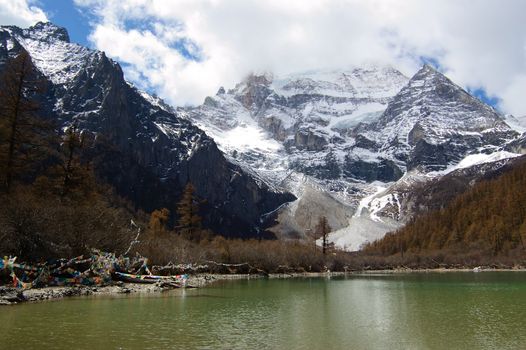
(513, 96)
(22, 13)
(477, 43)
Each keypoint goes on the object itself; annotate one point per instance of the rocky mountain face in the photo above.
(302, 122)
(367, 147)
(146, 150)
(354, 144)
(432, 123)
(440, 191)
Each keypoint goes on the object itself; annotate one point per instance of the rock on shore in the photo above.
(11, 296)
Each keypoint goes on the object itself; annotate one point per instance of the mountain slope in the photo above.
(354, 144)
(362, 138)
(298, 122)
(489, 217)
(432, 123)
(292, 131)
(143, 147)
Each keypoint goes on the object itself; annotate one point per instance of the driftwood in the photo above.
(171, 269)
(98, 269)
(136, 240)
(229, 265)
(206, 267)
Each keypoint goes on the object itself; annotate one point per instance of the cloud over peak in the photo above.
(185, 49)
(22, 13)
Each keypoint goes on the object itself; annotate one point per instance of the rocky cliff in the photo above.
(356, 141)
(144, 149)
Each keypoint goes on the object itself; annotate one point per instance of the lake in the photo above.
(455, 310)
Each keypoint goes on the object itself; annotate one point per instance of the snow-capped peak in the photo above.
(47, 31)
(433, 121)
(285, 117)
(51, 51)
(370, 81)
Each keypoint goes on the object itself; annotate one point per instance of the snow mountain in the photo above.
(143, 147)
(299, 122)
(432, 123)
(358, 145)
(352, 144)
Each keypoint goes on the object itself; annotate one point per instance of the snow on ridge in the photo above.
(153, 100)
(365, 82)
(516, 123)
(475, 159)
(57, 59)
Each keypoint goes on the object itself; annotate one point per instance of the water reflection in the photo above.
(418, 311)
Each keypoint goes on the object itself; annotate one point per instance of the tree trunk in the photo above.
(13, 131)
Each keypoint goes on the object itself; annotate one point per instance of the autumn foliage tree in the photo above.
(158, 222)
(189, 223)
(489, 217)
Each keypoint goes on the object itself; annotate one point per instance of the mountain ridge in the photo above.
(332, 138)
(151, 152)
(427, 124)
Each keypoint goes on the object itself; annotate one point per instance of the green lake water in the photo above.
(484, 310)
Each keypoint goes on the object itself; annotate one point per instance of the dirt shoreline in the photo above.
(13, 296)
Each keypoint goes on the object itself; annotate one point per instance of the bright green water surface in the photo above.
(409, 311)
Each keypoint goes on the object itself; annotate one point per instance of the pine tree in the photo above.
(158, 221)
(189, 223)
(489, 218)
(24, 135)
(322, 230)
(71, 165)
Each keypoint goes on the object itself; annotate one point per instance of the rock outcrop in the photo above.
(144, 149)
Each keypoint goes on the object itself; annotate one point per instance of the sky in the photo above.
(184, 50)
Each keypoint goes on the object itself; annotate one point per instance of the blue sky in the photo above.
(77, 21)
(478, 92)
(66, 14)
(184, 50)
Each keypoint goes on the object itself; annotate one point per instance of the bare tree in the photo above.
(23, 133)
(322, 230)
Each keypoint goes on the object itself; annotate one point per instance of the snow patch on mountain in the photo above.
(366, 201)
(154, 100)
(244, 136)
(475, 159)
(370, 81)
(361, 230)
(516, 123)
(51, 51)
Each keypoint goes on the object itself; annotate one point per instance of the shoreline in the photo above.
(13, 296)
